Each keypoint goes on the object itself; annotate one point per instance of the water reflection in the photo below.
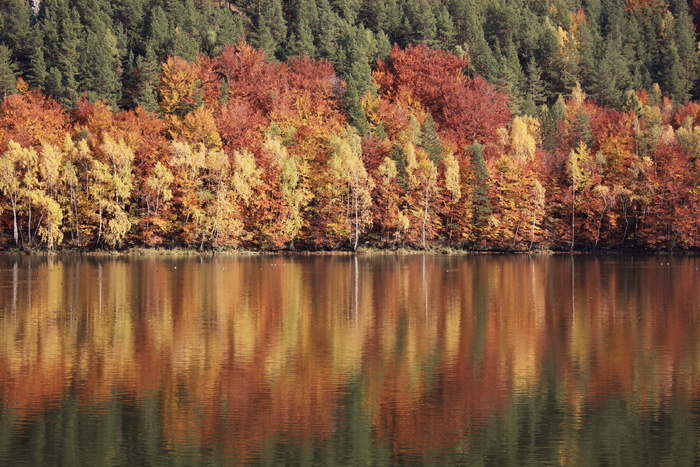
(363, 360)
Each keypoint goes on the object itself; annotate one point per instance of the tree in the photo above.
(112, 190)
(147, 81)
(36, 72)
(454, 188)
(351, 184)
(575, 168)
(98, 66)
(179, 85)
(7, 75)
(13, 163)
(480, 199)
(157, 192)
(271, 29)
(15, 32)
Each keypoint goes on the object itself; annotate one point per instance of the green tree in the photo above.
(431, 140)
(481, 203)
(270, 30)
(15, 32)
(611, 78)
(7, 73)
(147, 81)
(99, 64)
(37, 72)
(300, 38)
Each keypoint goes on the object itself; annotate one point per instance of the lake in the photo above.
(350, 360)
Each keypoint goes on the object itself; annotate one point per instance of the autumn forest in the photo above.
(342, 124)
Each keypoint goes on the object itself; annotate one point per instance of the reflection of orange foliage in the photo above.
(242, 351)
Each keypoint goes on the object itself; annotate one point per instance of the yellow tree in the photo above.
(246, 176)
(387, 197)
(179, 84)
(575, 167)
(422, 181)
(351, 184)
(188, 166)
(46, 196)
(157, 192)
(537, 197)
(229, 184)
(75, 179)
(14, 164)
(293, 181)
(453, 187)
(111, 186)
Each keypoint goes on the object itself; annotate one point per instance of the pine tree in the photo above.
(218, 28)
(471, 35)
(157, 31)
(550, 122)
(15, 32)
(357, 73)
(300, 41)
(445, 28)
(67, 60)
(99, 65)
(431, 140)
(534, 87)
(7, 74)
(480, 199)
(421, 26)
(271, 29)
(36, 74)
(146, 77)
(611, 78)
(328, 33)
(686, 46)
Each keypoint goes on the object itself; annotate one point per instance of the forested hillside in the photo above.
(335, 124)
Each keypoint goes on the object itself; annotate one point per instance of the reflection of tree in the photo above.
(258, 359)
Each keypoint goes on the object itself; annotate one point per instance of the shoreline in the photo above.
(184, 252)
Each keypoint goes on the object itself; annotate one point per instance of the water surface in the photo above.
(479, 360)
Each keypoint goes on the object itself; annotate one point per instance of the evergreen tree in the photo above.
(611, 78)
(300, 41)
(689, 64)
(471, 35)
(445, 28)
(550, 123)
(36, 74)
(588, 41)
(271, 29)
(357, 73)
(218, 28)
(183, 45)
(383, 45)
(328, 33)
(7, 74)
(374, 15)
(15, 32)
(146, 77)
(157, 31)
(510, 75)
(480, 199)
(67, 59)
(534, 87)
(128, 81)
(99, 65)
(431, 140)
(348, 10)
(421, 26)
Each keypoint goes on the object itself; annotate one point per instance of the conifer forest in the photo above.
(505, 125)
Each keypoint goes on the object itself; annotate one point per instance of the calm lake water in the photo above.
(478, 360)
